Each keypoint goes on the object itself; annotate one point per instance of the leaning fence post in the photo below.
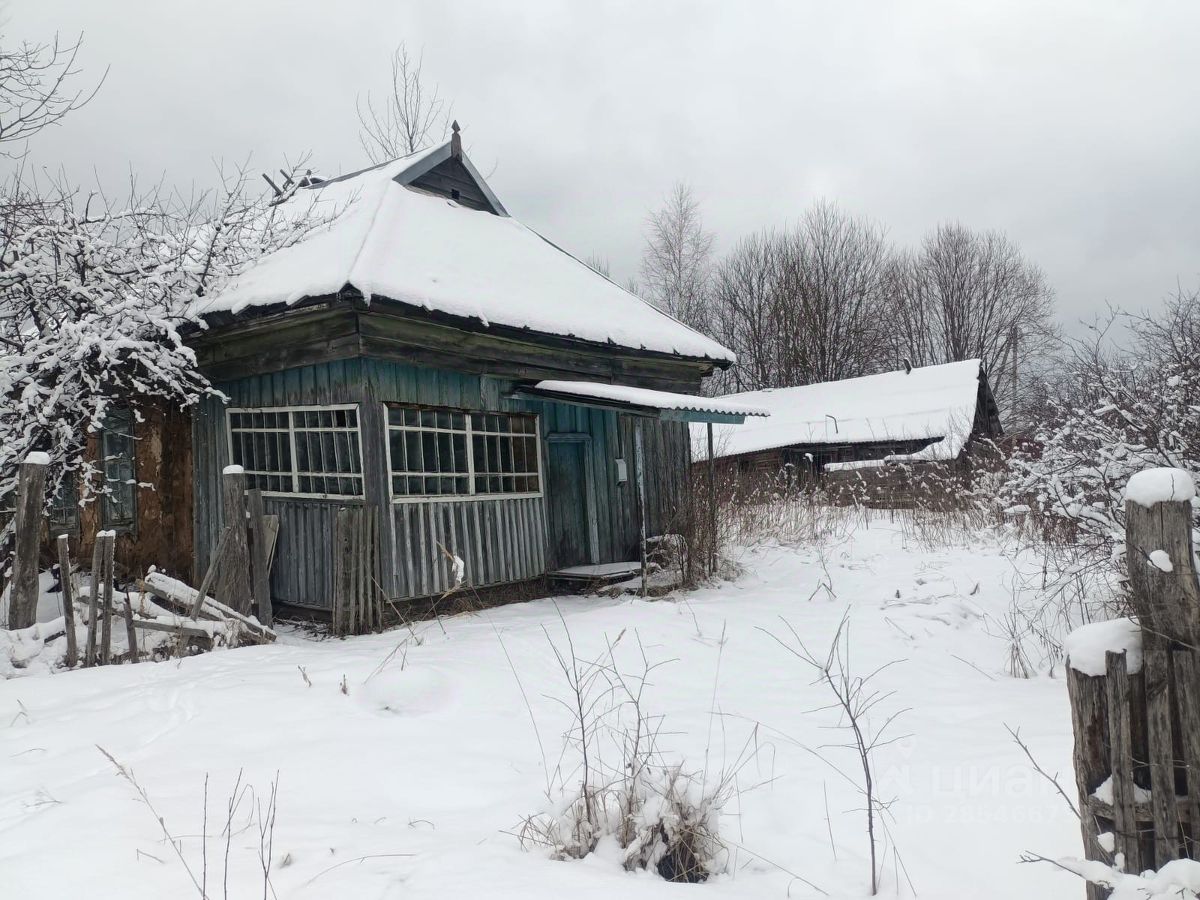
(261, 583)
(234, 577)
(68, 598)
(23, 593)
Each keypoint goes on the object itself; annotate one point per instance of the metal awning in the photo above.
(643, 402)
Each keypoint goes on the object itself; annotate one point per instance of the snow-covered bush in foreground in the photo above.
(662, 820)
(621, 795)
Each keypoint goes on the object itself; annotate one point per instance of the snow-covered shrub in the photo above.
(93, 297)
(662, 820)
(1116, 411)
(622, 796)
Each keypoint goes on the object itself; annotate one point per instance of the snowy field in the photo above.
(405, 772)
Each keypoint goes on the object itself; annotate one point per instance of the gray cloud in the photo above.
(1072, 126)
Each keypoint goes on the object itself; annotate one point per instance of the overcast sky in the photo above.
(1072, 126)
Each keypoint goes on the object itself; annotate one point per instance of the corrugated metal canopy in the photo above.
(644, 402)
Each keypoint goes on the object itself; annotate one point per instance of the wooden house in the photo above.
(425, 354)
(877, 438)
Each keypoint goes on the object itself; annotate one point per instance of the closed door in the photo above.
(566, 499)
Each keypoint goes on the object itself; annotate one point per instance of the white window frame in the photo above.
(470, 474)
(296, 475)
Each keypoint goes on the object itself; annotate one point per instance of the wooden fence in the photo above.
(1137, 726)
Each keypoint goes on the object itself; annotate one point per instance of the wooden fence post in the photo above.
(89, 647)
(1158, 551)
(233, 577)
(23, 592)
(1128, 839)
(68, 598)
(261, 582)
(109, 539)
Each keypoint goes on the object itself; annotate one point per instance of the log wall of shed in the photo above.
(500, 540)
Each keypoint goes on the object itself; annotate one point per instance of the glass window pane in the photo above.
(396, 449)
(460, 453)
(416, 458)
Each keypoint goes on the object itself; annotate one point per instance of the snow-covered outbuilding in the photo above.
(427, 354)
(931, 415)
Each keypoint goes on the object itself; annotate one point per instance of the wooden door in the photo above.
(569, 537)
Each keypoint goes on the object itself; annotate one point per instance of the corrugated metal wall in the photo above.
(499, 540)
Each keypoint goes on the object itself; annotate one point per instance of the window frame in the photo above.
(129, 423)
(294, 472)
(469, 433)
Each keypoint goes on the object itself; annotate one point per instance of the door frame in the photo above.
(589, 477)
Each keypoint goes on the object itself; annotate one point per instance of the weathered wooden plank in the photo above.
(1125, 824)
(89, 646)
(181, 627)
(260, 575)
(233, 581)
(1091, 763)
(67, 580)
(27, 524)
(130, 634)
(1187, 694)
(1167, 603)
(108, 541)
(1161, 757)
(185, 598)
(210, 575)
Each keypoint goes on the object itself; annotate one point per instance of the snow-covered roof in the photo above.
(929, 402)
(389, 240)
(643, 397)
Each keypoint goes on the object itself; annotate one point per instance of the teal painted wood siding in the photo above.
(499, 540)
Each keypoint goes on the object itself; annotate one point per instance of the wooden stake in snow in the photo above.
(233, 584)
(68, 598)
(109, 540)
(259, 564)
(130, 634)
(209, 576)
(89, 647)
(23, 594)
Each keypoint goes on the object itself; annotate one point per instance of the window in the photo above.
(448, 452)
(64, 508)
(308, 451)
(118, 505)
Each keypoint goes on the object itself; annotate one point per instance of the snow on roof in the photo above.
(391, 241)
(635, 396)
(929, 402)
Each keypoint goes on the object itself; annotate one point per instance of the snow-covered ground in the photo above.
(405, 774)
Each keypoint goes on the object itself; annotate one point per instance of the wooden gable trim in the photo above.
(425, 174)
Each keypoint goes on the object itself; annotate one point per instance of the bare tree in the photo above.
(803, 305)
(744, 297)
(37, 88)
(677, 259)
(409, 118)
(971, 295)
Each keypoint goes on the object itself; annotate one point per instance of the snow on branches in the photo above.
(93, 298)
(1117, 412)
